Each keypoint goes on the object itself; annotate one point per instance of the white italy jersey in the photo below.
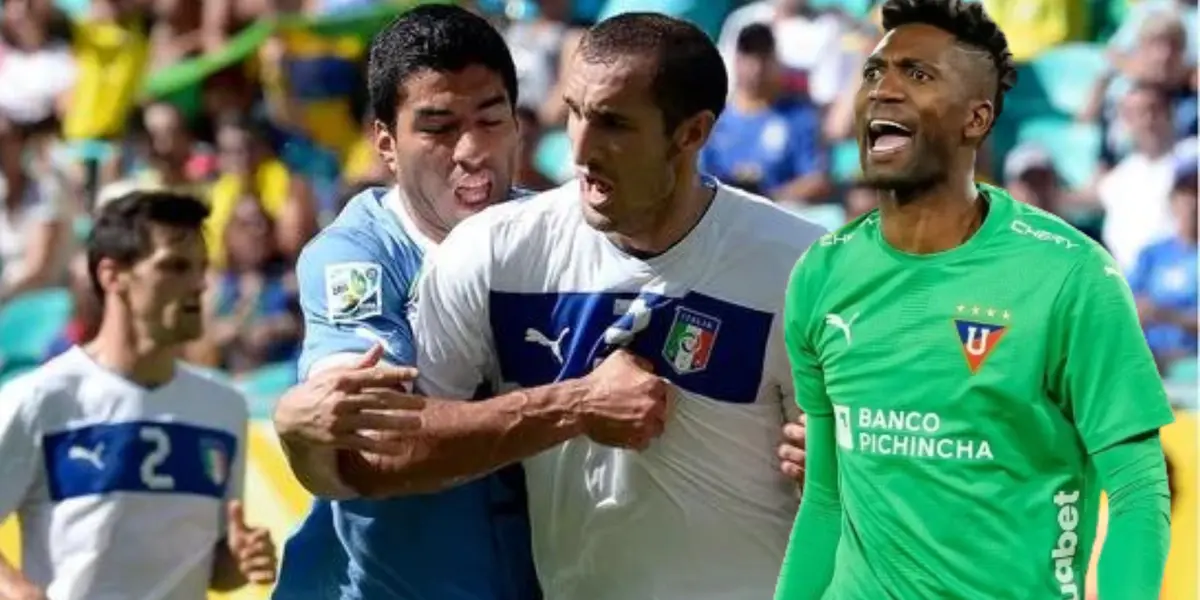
(524, 295)
(120, 490)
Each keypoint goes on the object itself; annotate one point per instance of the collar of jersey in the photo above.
(999, 208)
(684, 246)
(393, 204)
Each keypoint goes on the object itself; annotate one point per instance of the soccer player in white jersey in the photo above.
(124, 466)
(641, 256)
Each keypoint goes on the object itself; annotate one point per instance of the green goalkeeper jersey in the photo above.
(968, 390)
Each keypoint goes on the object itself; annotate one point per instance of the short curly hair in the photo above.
(970, 24)
(690, 76)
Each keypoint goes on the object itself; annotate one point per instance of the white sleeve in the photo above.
(237, 469)
(20, 444)
(780, 370)
(455, 350)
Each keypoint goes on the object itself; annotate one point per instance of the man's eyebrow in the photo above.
(496, 100)
(430, 112)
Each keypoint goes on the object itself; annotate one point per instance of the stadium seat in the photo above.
(10, 371)
(853, 8)
(30, 322)
(265, 385)
(843, 161)
(1059, 80)
(1074, 146)
(1183, 371)
(553, 156)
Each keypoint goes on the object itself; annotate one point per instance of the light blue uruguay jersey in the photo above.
(526, 294)
(467, 543)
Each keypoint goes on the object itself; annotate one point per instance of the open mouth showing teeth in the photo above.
(888, 136)
(597, 184)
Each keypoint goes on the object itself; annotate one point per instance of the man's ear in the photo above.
(693, 132)
(385, 144)
(111, 277)
(980, 118)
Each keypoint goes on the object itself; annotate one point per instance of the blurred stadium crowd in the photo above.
(269, 124)
(259, 107)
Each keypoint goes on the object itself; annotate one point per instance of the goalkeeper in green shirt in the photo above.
(972, 368)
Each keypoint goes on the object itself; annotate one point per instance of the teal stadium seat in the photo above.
(264, 386)
(1060, 80)
(29, 323)
(857, 9)
(1074, 146)
(1180, 381)
(553, 156)
(843, 161)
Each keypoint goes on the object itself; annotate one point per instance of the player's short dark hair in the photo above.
(121, 230)
(756, 39)
(970, 25)
(690, 76)
(435, 37)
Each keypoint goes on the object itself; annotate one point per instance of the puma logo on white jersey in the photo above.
(835, 320)
(90, 456)
(555, 346)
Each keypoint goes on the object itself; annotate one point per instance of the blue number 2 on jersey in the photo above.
(141, 456)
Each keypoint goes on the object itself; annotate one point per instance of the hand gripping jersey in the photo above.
(120, 490)
(469, 542)
(969, 388)
(524, 295)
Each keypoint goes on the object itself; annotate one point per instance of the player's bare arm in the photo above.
(335, 408)
(791, 450)
(246, 555)
(14, 586)
(621, 403)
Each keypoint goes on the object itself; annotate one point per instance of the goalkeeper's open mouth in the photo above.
(886, 137)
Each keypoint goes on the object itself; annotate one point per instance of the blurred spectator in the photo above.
(309, 83)
(767, 141)
(252, 301)
(224, 17)
(164, 154)
(35, 234)
(1034, 26)
(527, 174)
(536, 44)
(1125, 38)
(1030, 176)
(177, 32)
(38, 70)
(1134, 193)
(85, 309)
(1157, 59)
(248, 167)
(1164, 280)
(860, 200)
(111, 47)
(815, 44)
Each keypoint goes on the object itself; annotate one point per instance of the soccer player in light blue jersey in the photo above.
(443, 89)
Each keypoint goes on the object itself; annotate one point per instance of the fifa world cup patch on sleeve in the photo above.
(353, 291)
